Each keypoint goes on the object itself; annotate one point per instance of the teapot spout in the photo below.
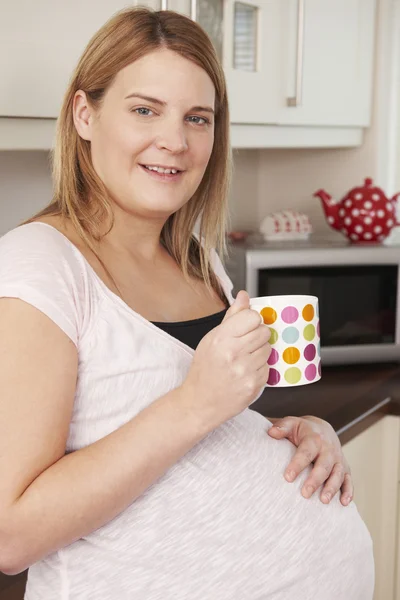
(330, 206)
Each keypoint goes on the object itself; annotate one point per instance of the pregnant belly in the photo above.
(224, 523)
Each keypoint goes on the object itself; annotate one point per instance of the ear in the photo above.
(83, 117)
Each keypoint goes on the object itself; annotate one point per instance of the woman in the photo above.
(131, 465)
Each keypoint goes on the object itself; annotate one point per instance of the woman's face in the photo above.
(158, 112)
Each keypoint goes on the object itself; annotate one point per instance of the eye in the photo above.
(205, 121)
(141, 108)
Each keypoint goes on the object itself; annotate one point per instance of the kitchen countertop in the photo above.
(351, 398)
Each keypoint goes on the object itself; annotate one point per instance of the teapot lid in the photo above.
(366, 191)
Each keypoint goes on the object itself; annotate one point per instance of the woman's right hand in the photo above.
(229, 368)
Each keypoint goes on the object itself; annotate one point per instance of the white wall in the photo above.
(271, 180)
(25, 186)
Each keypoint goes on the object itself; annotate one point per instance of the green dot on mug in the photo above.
(293, 375)
(274, 336)
(309, 332)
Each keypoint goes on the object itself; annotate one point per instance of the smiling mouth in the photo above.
(162, 176)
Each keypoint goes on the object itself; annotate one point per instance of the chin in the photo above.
(161, 209)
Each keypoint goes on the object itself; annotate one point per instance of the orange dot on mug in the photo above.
(308, 312)
(269, 315)
(291, 355)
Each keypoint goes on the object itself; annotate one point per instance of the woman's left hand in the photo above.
(316, 443)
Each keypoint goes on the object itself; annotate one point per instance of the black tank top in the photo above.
(192, 332)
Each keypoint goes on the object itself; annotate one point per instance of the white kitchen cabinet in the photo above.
(155, 4)
(40, 44)
(327, 62)
(257, 41)
(374, 460)
(252, 71)
(296, 62)
(182, 6)
(313, 66)
(185, 7)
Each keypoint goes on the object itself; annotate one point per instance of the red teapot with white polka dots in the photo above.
(365, 215)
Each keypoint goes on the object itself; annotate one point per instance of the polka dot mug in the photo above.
(295, 338)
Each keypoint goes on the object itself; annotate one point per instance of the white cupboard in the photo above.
(327, 62)
(250, 65)
(294, 62)
(299, 72)
(40, 44)
(314, 63)
(182, 6)
(374, 461)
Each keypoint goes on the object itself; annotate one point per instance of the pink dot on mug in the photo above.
(290, 314)
(273, 357)
(273, 377)
(310, 352)
(310, 372)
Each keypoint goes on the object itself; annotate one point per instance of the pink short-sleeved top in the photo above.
(222, 523)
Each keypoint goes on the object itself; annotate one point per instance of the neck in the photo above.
(135, 236)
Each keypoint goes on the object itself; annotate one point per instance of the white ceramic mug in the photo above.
(295, 338)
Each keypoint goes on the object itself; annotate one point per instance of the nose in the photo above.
(172, 136)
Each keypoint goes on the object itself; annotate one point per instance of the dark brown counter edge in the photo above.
(351, 398)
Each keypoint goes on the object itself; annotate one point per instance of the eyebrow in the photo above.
(207, 109)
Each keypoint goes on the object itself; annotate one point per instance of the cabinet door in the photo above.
(250, 41)
(208, 13)
(40, 44)
(155, 4)
(327, 62)
(181, 6)
(374, 461)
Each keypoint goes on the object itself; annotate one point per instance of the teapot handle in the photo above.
(394, 201)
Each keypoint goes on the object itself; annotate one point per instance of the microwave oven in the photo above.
(358, 288)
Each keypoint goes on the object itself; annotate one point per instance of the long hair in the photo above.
(78, 192)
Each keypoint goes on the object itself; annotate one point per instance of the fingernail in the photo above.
(290, 475)
(327, 497)
(308, 492)
(347, 499)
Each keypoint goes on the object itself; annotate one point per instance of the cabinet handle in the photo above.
(193, 10)
(164, 4)
(296, 100)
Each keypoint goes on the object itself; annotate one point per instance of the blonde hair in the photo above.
(79, 193)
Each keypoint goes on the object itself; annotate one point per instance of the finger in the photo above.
(347, 490)
(282, 427)
(307, 451)
(258, 338)
(321, 471)
(263, 373)
(333, 483)
(242, 301)
(242, 322)
(258, 359)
